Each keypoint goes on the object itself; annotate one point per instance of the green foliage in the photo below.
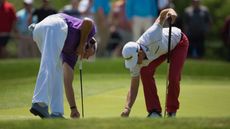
(57, 4)
(219, 9)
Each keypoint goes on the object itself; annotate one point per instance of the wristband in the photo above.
(128, 108)
(73, 107)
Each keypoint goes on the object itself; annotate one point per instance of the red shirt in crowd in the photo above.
(7, 16)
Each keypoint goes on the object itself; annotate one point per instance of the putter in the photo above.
(82, 102)
(168, 63)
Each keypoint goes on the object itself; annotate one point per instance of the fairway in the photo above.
(204, 92)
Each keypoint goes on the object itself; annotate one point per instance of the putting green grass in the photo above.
(106, 98)
(204, 94)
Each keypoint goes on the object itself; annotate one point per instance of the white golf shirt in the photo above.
(154, 42)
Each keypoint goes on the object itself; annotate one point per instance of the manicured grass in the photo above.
(204, 97)
(118, 123)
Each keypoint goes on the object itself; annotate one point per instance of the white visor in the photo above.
(130, 54)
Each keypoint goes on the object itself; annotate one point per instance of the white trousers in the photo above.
(140, 25)
(50, 35)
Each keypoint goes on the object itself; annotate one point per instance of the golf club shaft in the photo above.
(82, 102)
(168, 62)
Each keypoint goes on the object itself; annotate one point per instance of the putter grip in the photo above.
(80, 65)
(169, 38)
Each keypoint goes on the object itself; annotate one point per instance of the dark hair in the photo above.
(91, 43)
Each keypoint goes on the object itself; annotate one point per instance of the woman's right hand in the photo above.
(74, 113)
(125, 113)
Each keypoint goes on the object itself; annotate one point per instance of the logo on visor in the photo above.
(128, 58)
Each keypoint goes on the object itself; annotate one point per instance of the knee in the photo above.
(146, 73)
(174, 80)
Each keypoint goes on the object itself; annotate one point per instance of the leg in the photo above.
(50, 61)
(177, 59)
(56, 100)
(200, 46)
(103, 33)
(136, 28)
(147, 23)
(148, 81)
(50, 35)
(3, 42)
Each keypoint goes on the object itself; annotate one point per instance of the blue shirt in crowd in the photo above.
(103, 4)
(141, 8)
(22, 21)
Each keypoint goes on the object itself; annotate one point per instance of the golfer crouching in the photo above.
(62, 40)
(145, 55)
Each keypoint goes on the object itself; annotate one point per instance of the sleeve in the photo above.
(13, 14)
(128, 9)
(18, 22)
(134, 72)
(152, 35)
(154, 7)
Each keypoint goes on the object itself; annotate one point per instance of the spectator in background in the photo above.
(72, 9)
(141, 14)
(114, 42)
(44, 11)
(26, 45)
(7, 24)
(101, 12)
(85, 8)
(163, 4)
(197, 21)
(225, 34)
(121, 29)
(179, 20)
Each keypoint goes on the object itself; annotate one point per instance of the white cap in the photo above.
(28, 1)
(130, 53)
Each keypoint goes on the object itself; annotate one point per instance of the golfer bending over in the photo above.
(61, 39)
(145, 55)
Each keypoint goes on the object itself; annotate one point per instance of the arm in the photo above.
(68, 80)
(90, 48)
(14, 31)
(86, 27)
(131, 96)
(165, 14)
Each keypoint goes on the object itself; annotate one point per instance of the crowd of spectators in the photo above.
(117, 22)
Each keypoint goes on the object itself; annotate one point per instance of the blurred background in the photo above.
(206, 22)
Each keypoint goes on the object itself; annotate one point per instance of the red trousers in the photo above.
(177, 58)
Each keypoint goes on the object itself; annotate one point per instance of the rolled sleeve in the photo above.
(134, 72)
